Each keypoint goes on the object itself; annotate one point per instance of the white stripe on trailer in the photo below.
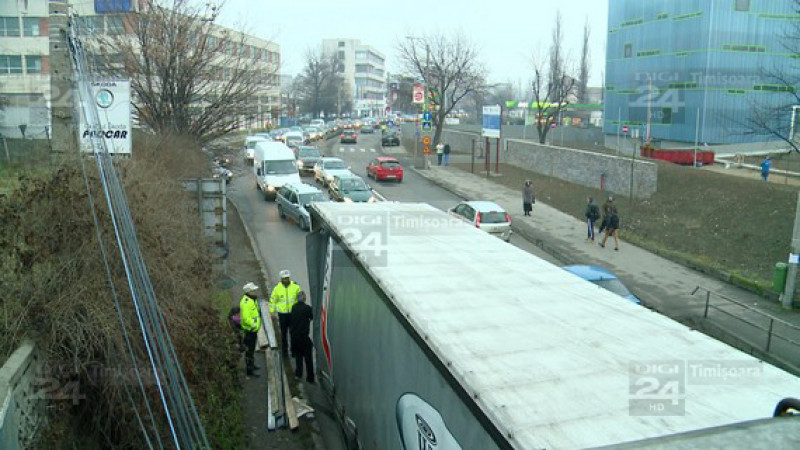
(549, 357)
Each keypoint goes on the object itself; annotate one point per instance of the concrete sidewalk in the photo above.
(663, 285)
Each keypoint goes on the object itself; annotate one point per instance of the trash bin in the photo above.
(779, 280)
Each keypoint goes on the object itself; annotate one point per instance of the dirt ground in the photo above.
(734, 224)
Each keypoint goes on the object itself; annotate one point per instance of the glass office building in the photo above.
(698, 61)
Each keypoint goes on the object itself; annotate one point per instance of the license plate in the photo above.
(390, 176)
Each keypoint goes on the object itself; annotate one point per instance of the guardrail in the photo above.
(21, 402)
(762, 321)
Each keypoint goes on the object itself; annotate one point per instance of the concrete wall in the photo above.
(575, 166)
(21, 403)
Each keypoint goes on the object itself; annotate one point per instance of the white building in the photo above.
(363, 70)
(25, 63)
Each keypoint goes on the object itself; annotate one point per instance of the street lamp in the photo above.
(791, 126)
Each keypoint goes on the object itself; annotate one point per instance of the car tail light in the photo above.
(508, 218)
(478, 222)
(341, 136)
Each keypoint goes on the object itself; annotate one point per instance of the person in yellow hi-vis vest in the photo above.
(250, 322)
(283, 297)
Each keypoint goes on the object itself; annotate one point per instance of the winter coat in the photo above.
(592, 211)
(527, 194)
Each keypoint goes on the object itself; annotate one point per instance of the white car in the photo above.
(487, 216)
(327, 168)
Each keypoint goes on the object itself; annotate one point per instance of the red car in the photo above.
(385, 168)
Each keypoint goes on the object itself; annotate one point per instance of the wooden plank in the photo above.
(287, 398)
(272, 384)
(269, 327)
(261, 340)
(271, 402)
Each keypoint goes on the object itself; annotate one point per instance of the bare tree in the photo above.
(585, 66)
(449, 68)
(771, 114)
(320, 82)
(188, 75)
(553, 87)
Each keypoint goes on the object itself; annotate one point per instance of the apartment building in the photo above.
(364, 71)
(25, 90)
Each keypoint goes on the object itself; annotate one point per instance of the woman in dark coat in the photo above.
(528, 199)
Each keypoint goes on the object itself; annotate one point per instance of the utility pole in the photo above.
(791, 275)
(64, 137)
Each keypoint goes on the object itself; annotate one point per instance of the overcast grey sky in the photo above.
(507, 32)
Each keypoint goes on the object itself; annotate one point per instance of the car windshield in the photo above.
(390, 164)
(493, 217)
(350, 131)
(353, 184)
(309, 152)
(280, 167)
(312, 197)
(390, 133)
(613, 285)
(335, 165)
(311, 130)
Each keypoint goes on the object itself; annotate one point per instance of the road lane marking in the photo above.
(352, 149)
(341, 149)
(372, 150)
(363, 150)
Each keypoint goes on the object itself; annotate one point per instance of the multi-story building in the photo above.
(363, 70)
(697, 66)
(25, 88)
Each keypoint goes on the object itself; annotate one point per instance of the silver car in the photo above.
(293, 200)
(327, 168)
(487, 216)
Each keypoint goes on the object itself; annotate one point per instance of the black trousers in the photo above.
(284, 320)
(302, 354)
(250, 349)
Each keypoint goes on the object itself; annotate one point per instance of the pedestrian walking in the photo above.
(283, 297)
(251, 323)
(528, 199)
(592, 214)
(302, 347)
(766, 165)
(439, 152)
(607, 206)
(446, 151)
(612, 228)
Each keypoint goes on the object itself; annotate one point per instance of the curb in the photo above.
(316, 433)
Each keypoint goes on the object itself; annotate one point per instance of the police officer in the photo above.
(283, 297)
(251, 323)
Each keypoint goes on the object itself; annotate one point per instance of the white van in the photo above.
(250, 146)
(274, 165)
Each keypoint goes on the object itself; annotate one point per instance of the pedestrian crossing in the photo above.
(353, 150)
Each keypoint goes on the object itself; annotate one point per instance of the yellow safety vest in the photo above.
(251, 319)
(283, 298)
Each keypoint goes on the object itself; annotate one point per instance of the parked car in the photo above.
(307, 157)
(605, 279)
(293, 200)
(487, 216)
(327, 168)
(385, 168)
(351, 189)
(348, 135)
(390, 137)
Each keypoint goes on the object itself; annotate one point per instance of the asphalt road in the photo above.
(281, 244)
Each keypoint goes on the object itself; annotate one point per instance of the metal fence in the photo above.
(22, 403)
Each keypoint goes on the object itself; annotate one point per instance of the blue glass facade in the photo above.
(690, 59)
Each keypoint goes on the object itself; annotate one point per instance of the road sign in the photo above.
(419, 94)
(427, 116)
(491, 121)
(625, 129)
(426, 126)
(426, 141)
(426, 150)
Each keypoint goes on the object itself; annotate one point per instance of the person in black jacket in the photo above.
(300, 324)
(592, 214)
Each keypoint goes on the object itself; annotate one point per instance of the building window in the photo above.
(341, 43)
(742, 5)
(628, 50)
(33, 64)
(228, 47)
(10, 64)
(30, 26)
(9, 26)
(115, 25)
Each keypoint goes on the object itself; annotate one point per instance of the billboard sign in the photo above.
(491, 121)
(113, 6)
(111, 99)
